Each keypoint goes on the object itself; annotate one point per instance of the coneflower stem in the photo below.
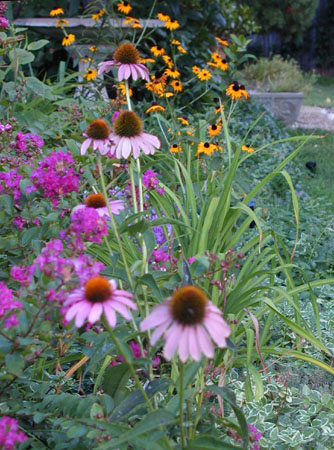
(181, 378)
(127, 94)
(104, 190)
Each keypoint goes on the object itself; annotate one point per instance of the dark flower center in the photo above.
(206, 145)
(96, 201)
(214, 127)
(188, 305)
(128, 124)
(97, 289)
(98, 129)
(127, 54)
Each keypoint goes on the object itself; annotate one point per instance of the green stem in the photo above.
(104, 190)
(146, 23)
(133, 187)
(181, 405)
(127, 94)
(128, 363)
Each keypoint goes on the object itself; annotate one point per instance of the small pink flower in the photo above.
(129, 137)
(188, 322)
(127, 58)
(10, 435)
(97, 201)
(98, 296)
(98, 136)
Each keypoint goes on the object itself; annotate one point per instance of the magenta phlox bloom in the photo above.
(151, 182)
(10, 184)
(7, 304)
(3, 23)
(10, 435)
(87, 224)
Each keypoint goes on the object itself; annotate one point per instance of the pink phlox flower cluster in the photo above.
(151, 182)
(10, 435)
(56, 176)
(136, 351)
(19, 222)
(10, 184)
(22, 274)
(160, 257)
(3, 23)
(7, 303)
(254, 436)
(3, 7)
(20, 143)
(87, 225)
(5, 128)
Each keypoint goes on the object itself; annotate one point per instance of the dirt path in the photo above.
(315, 117)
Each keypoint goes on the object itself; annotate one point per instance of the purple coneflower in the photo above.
(128, 136)
(127, 57)
(98, 136)
(188, 321)
(98, 296)
(98, 202)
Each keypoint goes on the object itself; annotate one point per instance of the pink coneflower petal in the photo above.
(127, 71)
(125, 144)
(81, 316)
(184, 345)
(172, 336)
(84, 146)
(205, 342)
(95, 297)
(121, 71)
(110, 315)
(122, 310)
(143, 71)
(116, 206)
(95, 313)
(120, 291)
(158, 316)
(194, 345)
(158, 332)
(153, 140)
(189, 324)
(134, 71)
(105, 66)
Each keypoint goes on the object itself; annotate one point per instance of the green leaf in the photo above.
(29, 235)
(36, 45)
(76, 431)
(21, 56)
(227, 395)
(14, 363)
(208, 442)
(149, 281)
(115, 379)
(136, 398)
(95, 410)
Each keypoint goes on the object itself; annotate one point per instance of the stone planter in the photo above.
(283, 105)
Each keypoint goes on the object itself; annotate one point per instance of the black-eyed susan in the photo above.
(237, 91)
(173, 73)
(98, 15)
(124, 7)
(122, 88)
(196, 70)
(206, 148)
(175, 42)
(176, 85)
(183, 120)
(168, 60)
(181, 49)
(62, 23)
(214, 129)
(126, 56)
(90, 74)
(216, 57)
(172, 25)
(93, 48)
(157, 51)
(163, 17)
(247, 148)
(146, 60)
(222, 42)
(155, 108)
(204, 75)
(68, 40)
(223, 65)
(136, 25)
(56, 12)
(158, 88)
(175, 148)
(129, 19)
(169, 94)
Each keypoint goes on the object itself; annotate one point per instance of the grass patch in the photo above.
(319, 185)
(321, 94)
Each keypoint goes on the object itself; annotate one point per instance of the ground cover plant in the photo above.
(322, 93)
(145, 294)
